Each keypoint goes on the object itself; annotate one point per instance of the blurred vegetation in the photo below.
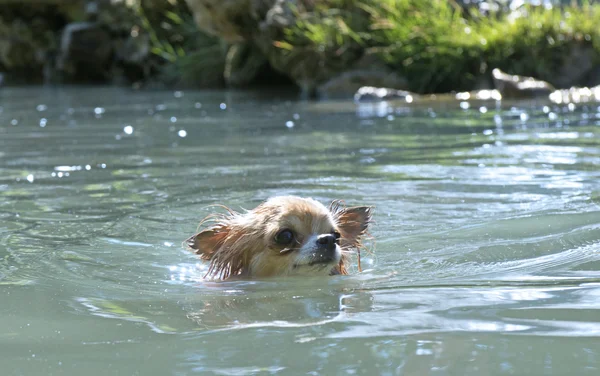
(188, 56)
(437, 45)
(441, 46)
(180, 53)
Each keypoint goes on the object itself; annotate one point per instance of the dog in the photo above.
(283, 236)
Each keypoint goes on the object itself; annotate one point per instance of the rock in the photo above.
(132, 55)
(576, 66)
(576, 95)
(369, 93)
(593, 78)
(261, 22)
(519, 87)
(86, 52)
(242, 64)
(347, 84)
(224, 18)
(19, 52)
(135, 49)
(480, 95)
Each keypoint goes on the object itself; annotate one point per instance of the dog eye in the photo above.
(337, 236)
(284, 237)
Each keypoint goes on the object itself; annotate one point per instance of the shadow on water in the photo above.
(487, 235)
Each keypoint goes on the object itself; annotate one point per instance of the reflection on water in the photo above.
(487, 235)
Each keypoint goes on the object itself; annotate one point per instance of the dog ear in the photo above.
(353, 222)
(217, 244)
(208, 241)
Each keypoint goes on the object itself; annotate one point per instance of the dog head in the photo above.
(285, 235)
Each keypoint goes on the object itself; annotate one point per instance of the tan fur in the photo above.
(242, 244)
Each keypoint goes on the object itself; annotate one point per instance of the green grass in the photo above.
(437, 45)
(189, 57)
(440, 47)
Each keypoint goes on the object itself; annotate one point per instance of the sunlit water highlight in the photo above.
(487, 235)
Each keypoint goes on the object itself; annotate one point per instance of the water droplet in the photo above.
(43, 122)
(488, 132)
(128, 129)
(60, 174)
(546, 109)
(41, 107)
(289, 124)
(198, 105)
(552, 116)
(524, 116)
(88, 167)
(173, 119)
(14, 122)
(30, 178)
(223, 106)
(182, 133)
(103, 165)
(178, 94)
(99, 110)
(465, 105)
(296, 116)
(483, 109)
(161, 107)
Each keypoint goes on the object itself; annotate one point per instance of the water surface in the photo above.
(487, 235)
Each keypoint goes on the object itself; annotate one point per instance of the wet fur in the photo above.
(241, 244)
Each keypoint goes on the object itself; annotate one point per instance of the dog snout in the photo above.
(327, 241)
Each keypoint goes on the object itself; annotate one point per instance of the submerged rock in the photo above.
(576, 95)
(348, 84)
(481, 95)
(369, 94)
(520, 87)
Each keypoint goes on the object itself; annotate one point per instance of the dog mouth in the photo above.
(322, 262)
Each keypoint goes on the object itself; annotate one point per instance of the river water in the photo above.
(485, 259)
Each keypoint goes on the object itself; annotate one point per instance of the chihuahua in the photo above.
(285, 235)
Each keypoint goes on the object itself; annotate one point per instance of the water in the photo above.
(487, 235)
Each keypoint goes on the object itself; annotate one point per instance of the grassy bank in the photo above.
(436, 45)
(440, 46)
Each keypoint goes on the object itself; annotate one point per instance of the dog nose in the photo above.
(326, 241)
